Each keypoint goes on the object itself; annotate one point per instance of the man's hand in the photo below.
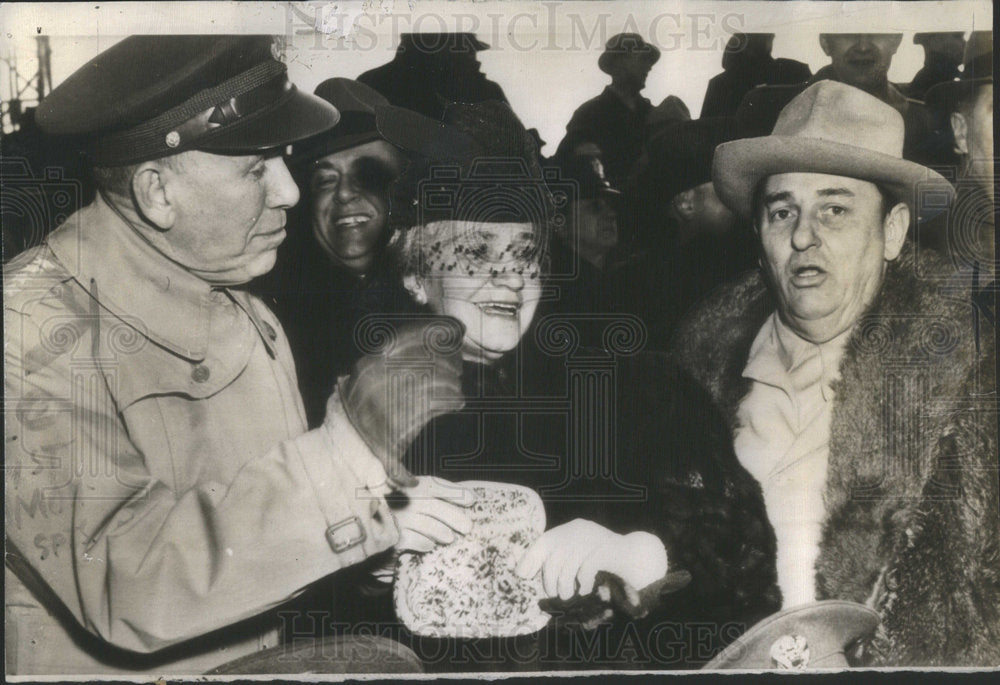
(390, 397)
(570, 556)
(431, 513)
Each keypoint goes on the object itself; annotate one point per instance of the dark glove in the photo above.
(390, 396)
(613, 596)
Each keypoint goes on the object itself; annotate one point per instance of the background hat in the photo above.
(356, 103)
(810, 137)
(977, 69)
(680, 156)
(623, 44)
(587, 173)
(478, 164)
(809, 636)
(427, 43)
(151, 96)
(746, 47)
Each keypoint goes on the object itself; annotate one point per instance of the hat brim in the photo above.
(608, 57)
(740, 165)
(948, 93)
(328, 143)
(416, 133)
(294, 117)
(845, 622)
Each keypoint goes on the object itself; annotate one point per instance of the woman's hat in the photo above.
(478, 164)
(829, 128)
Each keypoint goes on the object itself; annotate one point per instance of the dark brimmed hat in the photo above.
(623, 44)
(977, 70)
(356, 103)
(830, 128)
(587, 174)
(805, 637)
(680, 156)
(921, 38)
(148, 97)
(434, 42)
(478, 164)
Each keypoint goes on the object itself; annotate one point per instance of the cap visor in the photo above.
(296, 116)
(836, 622)
(739, 165)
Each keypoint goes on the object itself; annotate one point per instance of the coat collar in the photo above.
(128, 277)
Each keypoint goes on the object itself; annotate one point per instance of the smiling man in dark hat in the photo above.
(827, 363)
(331, 271)
(613, 124)
(155, 426)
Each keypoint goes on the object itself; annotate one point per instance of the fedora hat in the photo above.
(829, 128)
(813, 635)
(977, 69)
(623, 44)
(357, 104)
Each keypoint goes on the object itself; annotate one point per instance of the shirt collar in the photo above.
(128, 277)
(778, 351)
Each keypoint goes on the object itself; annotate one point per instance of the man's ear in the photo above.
(683, 203)
(960, 130)
(896, 225)
(824, 44)
(416, 289)
(151, 198)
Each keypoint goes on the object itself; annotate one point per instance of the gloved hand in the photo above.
(390, 397)
(570, 556)
(431, 513)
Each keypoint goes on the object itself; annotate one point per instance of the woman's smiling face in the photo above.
(486, 275)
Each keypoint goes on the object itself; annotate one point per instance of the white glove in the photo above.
(569, 557)
(432, 515)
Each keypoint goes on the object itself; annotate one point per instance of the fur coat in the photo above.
(911, 526)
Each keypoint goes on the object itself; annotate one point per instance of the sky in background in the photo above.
(543, 54)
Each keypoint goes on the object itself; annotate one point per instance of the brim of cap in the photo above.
(944, 94)
(847, 621)
(294, 117)
(422, 135)
(327, 143)
(739, 165)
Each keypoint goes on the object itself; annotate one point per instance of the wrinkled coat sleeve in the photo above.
(145, 566)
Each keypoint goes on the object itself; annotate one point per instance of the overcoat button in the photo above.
(200, 373)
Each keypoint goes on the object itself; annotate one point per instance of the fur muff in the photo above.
(912, 523)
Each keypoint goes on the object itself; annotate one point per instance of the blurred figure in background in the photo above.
(699, 242)
(967, 102)
(612, 125)
(747, 63)
(942, 58)
(431, 70)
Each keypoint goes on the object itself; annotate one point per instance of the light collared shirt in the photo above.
(783, 439)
